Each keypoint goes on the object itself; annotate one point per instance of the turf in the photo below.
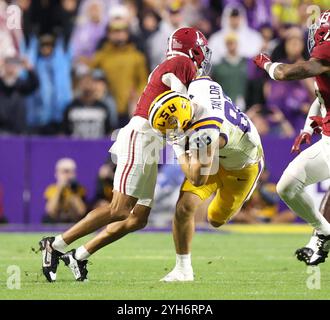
(226, 266)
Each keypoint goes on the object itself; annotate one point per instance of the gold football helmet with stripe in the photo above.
(170, 114)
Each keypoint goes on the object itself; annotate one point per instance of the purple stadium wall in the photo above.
(28, 164)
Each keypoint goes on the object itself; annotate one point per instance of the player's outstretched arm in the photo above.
(296, 71)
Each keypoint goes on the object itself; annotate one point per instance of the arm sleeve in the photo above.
(314, 110)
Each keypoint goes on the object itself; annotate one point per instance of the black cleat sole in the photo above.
(304, 254)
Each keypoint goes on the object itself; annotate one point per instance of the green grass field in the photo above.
(226, 266)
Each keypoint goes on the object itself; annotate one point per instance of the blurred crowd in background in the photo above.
(77, 67)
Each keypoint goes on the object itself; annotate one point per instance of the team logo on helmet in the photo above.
(170, 113)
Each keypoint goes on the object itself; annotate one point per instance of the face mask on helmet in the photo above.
(206, 64)
(311, 34)
(319, 31)
(170, 114)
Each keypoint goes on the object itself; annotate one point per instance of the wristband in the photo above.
(307, 129)
(272, 69)
(267, 64)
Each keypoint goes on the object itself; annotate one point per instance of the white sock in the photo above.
(59, 244)
(312, 241)
(82, 253)
(183, 261)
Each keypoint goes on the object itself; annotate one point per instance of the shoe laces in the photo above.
(321, 240)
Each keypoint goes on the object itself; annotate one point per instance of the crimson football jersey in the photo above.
(322, 52)
(182, 67)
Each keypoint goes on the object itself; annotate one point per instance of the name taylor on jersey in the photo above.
(216, 115)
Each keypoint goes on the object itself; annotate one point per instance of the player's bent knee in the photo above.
(184, 211)
(137, 223)
(216, 224)
(288, 186)
(118, 213)
(219, 217)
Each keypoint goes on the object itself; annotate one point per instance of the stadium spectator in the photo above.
(290, 100)
(264, 205)
(65, 199)
(53, 67)
(126, 71)
(150, 22)
(13, 92)
(192, 12)
(102, 94)
(126, 14)
(292, 12)
(257, 77)
(28, 28)
(104, 184)
(257, 12)
(171, 21)
(290, 32)
(231, 72)
(64, 18)
(234, 20)
(206, 23)
(90, 28)
(49, 17)
(269, 40)
(86, 117)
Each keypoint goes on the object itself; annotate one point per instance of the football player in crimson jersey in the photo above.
(313, 164)
(136, 149)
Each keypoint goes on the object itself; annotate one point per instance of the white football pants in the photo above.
(309, 167)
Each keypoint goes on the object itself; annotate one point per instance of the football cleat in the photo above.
(323, 245)
(304, 254)
(179, 274)
(78, 267)
(50, 258)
